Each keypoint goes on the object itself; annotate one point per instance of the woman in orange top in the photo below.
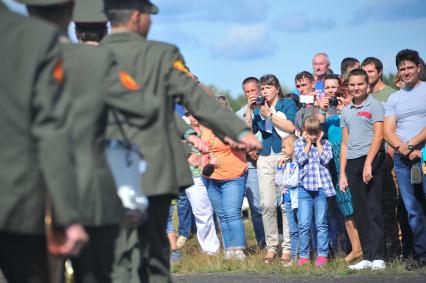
(226, 187)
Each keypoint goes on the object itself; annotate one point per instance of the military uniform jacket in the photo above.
(98, 86)
(35, 151)
(160, 69)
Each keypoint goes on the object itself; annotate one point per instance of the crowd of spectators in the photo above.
(341, 172)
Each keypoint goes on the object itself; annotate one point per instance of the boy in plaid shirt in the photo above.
(312, 154)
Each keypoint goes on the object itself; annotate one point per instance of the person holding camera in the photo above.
(305, 84)
(331, 106)
(224, 175)
(267, 120)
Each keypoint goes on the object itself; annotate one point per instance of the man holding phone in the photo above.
(304, 82)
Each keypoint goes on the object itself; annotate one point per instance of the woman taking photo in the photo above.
(267, 121)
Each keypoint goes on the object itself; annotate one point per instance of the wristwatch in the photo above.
(410, 146)
(270, 116)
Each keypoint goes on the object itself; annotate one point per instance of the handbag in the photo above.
(127, 164)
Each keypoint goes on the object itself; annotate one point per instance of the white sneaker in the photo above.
(229, 254)
(239, 255)
(378, 264)
(364, 264)
(181, 240)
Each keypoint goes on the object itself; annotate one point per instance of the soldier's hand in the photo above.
(198, 143)
(250, 142)
(75, 238)
(194, 160)
(232, 143)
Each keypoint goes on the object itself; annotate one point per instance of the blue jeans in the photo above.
(293, 229)
(416, 214)
(184, 214)
(170, 228)
(227, 197)
(253, 197)
(310, 203)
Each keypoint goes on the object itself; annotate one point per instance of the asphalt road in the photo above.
(257, 278)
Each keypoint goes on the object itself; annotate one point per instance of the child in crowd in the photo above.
(312, 154)
(175, 254)
(287, 178)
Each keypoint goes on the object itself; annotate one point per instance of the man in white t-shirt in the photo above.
(405, 131)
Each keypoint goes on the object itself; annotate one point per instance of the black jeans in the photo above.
(367, 201)
(154, 244)
(23, 258)
(94, 264)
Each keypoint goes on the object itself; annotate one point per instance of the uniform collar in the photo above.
(122, 36)
(365, 103)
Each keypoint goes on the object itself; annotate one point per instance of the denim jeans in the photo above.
(170, 228)
(311, 204)
(184, 215)
(253, 197)
(227, 197)
(293, 229)
(416, 214)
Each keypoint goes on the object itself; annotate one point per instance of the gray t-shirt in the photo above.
(359, 120)
(409, 108)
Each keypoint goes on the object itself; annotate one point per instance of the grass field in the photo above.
(193, 261)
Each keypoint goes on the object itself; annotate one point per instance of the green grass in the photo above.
(193, 261)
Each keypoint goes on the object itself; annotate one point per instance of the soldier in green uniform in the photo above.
(97, 85)
(90, 21)
(160, 69)
(35, 156)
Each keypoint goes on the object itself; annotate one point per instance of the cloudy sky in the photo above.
(224, 41)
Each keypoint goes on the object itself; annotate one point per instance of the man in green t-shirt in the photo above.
(374, 68)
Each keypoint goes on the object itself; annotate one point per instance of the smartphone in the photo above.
(416, 174)
(319, 89)
(306, 99)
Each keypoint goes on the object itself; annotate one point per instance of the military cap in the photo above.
(89, 11)
(123, 4)
(43, 2)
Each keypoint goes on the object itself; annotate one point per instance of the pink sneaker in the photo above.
(321, 260)
(302, 261)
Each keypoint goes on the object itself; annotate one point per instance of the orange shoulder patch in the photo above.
(58, 71)
(128, 81)
(180, 66)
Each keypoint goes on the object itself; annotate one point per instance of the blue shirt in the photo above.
(272, 141)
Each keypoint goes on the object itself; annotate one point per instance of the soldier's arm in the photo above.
(205, 108)
(124, 94)
(50, 128)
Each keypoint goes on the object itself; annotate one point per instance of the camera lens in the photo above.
(260, 100)
(333, 101)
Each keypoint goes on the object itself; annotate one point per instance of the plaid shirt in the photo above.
(313, 173)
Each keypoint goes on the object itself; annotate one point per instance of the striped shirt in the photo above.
(313, 173)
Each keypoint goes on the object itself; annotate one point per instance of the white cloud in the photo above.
(390, 10)
(235, 11)
(245, 42)
(301, 22)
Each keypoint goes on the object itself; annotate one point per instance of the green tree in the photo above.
(235, 102)
(389, 79)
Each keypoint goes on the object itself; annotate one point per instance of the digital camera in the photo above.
(260, 100)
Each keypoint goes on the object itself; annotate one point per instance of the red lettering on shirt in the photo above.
(364, 114)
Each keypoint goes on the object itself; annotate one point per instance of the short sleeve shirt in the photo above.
(359, 120)
(409, 108)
